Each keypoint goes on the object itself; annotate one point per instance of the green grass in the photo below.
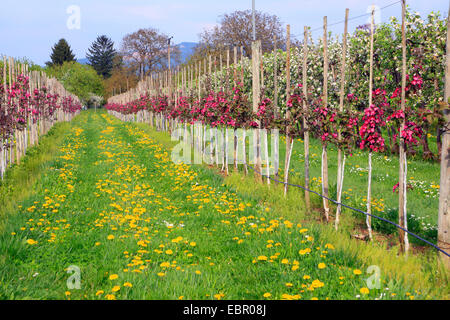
(19, 178)
(421, 271)
(422, 200)
(115, 205)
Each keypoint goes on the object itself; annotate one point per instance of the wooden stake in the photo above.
(444, 197)
(305, 124)
(340, 175)
(256, 47)
(402, 216)
(276, 160)
(325, 104)
(288, 114)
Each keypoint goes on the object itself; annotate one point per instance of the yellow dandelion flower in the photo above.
(262, 258)
(113, 277)
(364, 290)
(115, 288)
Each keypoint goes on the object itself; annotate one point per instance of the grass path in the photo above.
(138, 226)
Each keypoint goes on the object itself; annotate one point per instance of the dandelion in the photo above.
(267, 295)
(321, 265)
(357, 272)
(262, 258)
(110, 237)
(31, 241)
(110, 297)
(115, 288)
(127, 284)
(113, 277)
(99, 292)
(364, 290)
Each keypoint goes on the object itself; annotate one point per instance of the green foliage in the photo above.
(101, 56)
(81, 80)
(61, 52)
(425, 54)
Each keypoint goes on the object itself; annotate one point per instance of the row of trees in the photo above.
(372, 117)
(30, 103)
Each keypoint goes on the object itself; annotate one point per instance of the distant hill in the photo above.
(187, 49)
(83, 61)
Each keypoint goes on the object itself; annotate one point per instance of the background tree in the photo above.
(235, 29)
(101, 55)
(81, 80)
(146, 50)
(61, 52)
(123, 77)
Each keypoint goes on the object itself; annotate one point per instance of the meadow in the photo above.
(111, 204)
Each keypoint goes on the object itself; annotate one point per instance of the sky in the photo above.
(29, 28)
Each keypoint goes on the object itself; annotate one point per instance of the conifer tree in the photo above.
(61, 52)
(101, 56)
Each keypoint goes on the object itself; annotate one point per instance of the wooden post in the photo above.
(402, 216)
(340, 174)
(305, 124)
(235, 62)
(228, 70)
(369, 185)
(261, 58)
(199, 92)
(256, 46)
(288, 114)
(242, 65)
(275, 144)
(326, 206)
(210, 69)
(444, 197)
(215, 73)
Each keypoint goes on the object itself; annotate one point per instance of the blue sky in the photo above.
(29, 28)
